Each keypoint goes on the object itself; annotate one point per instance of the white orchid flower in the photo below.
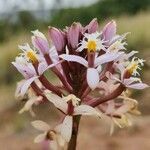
(60, 103)
(49, 133)
(128, 108)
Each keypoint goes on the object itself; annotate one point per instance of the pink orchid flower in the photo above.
(92, 73)
(131, 82)
(28, 71)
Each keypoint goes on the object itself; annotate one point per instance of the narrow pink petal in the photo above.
(138, 86)
(18, 89)
(129, 81)
(27, 71)
(74, 58)
(26, 85)
(121, 68)
(118, 37)
(86, 110)
(112, 77)
(131, 54)
(21, 69)
(55, 58)
(43, 67)
(54, 54)
(107, 57)
(57, 101)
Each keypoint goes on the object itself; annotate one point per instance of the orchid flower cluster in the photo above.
(94, 72)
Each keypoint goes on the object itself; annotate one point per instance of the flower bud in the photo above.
(74, 35)
(109, 31)
(40, 42)
(92, 27)
(57, 38)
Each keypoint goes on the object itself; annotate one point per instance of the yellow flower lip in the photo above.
(133, 67)
(32, 56)
(91, 45)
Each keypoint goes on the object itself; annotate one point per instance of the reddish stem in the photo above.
(46, 83)
(86, 92)
(66, 70)
(59, 74)
(73, 142)
(36, 89)
(95, 102)
(49, 86)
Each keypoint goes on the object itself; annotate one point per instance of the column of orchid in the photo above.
(94, 71)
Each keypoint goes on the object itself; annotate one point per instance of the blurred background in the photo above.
(18, 18)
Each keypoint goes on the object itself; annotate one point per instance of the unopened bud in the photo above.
(74, 35)
(109, 31)
(57, 38)
(92, 27)
(40, 42)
